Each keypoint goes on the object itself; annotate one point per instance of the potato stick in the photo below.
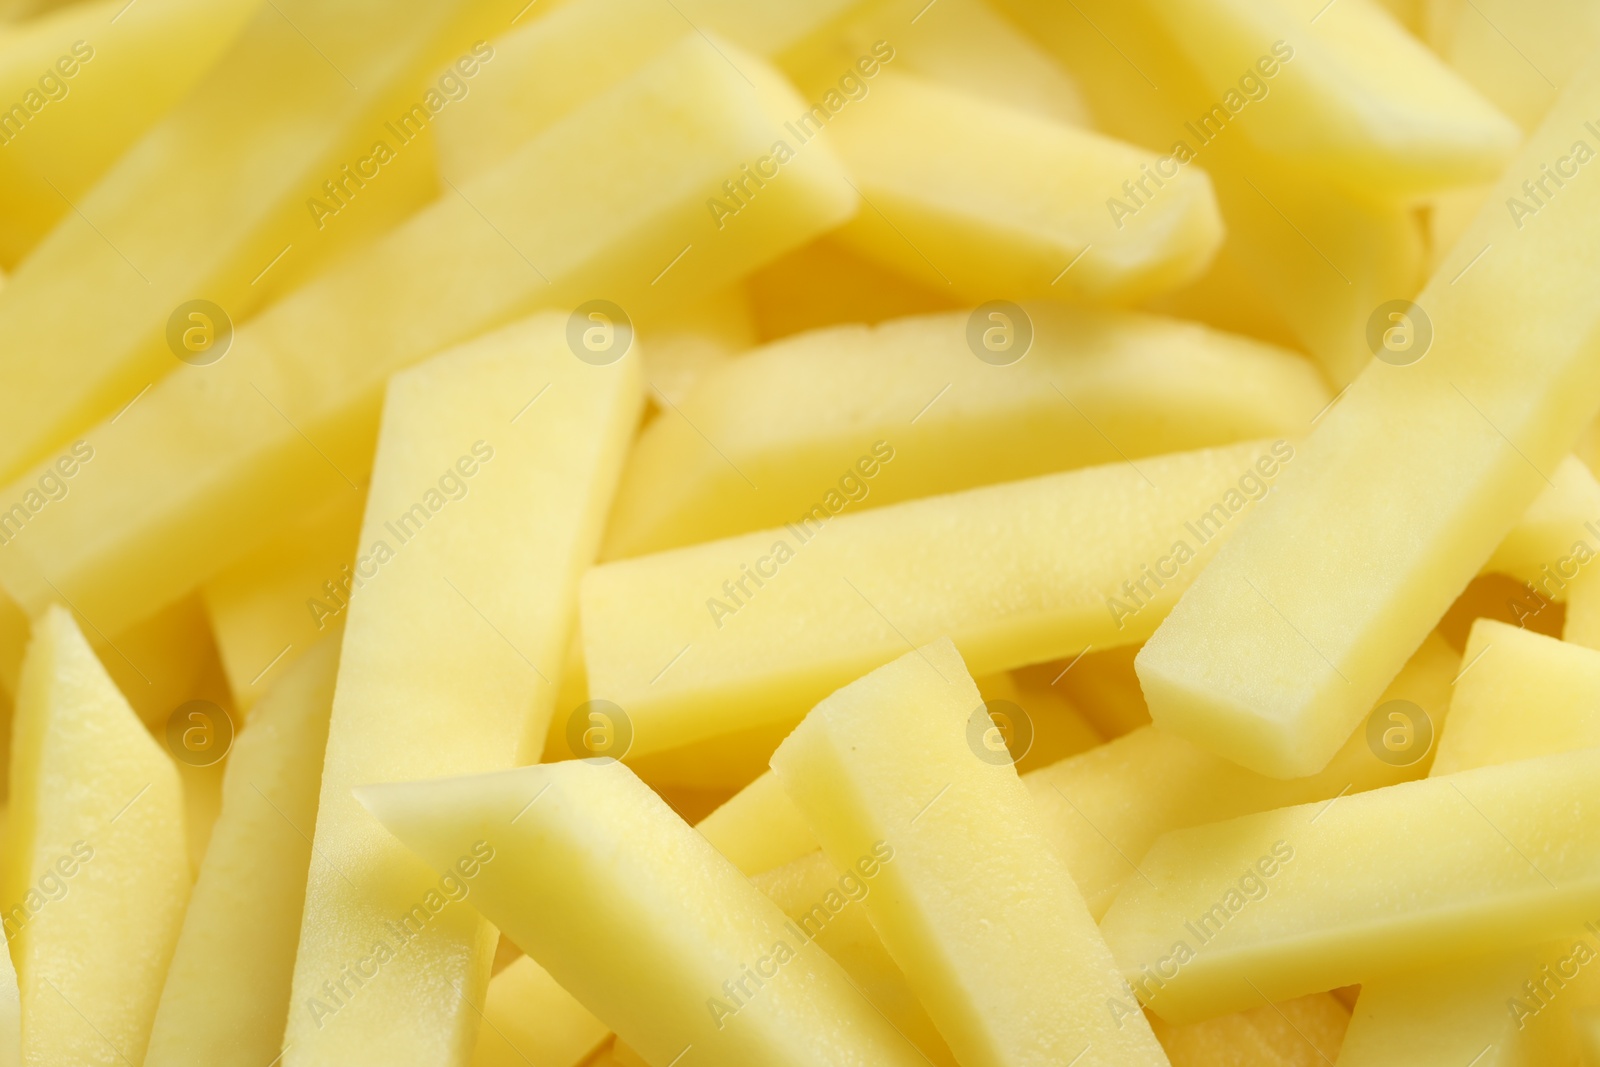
(286, 418)
(475, 531)
(1304, 1032)
(639, 918)
(819, 899)
(530, 1021)
(795, 417)
(964, 44)
(759, 829)
(213, 1010)
(546, 67)
(1552, 42)
(1449, 868)
(98, 82)
(272, 605)
(1271, 668)
(979, 198)
(205, 203)
(1103, 810)
(895, 775)
(1028, 571)
(97, 875)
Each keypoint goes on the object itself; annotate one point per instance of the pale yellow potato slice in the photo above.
(209, 198)
(548, 66)
(825, 904)
(639, 918)
(684, 344)
(1323, 256)
(287, 417)
(476, 529)
(1582, 625)
(893, 775)
(530, 1021)
(763, 438)
(965, 44)
(1304, 1032)
(10, 1014)
(1524, 695)
(1102, 810)
(1027, 571)
(1557, 536)
(1517, 55)
(97, 873)
(1504, 1011)
(1271, 668)
(983, 199)
(1449, 868)
(213, 1010)
(272, 605)
(759, 829)
(1345, 92)
(123, 70)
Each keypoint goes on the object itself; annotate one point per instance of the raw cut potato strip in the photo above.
(894, 778)
(1525, 695)
(638, 917)
(1476, 1012)
(1265, 664)
(1557, 536)
(826, 905)
(97, 874)
(1583, 610)
(133, 70)
(1027, 571)
(1348, 94)
(760, 829)
(548, 66)
(964, 44)
(1442, 869)
(206, 200)
(1322, 257)
(10, 1014)
(449, 655)
(530, 1021)
(977, 198)
(1304, 1032)
(1521, 73)
(1103, 810)
(213, 1009)
(793, 420)
(683, 344)
(272, 605)
(227, 438)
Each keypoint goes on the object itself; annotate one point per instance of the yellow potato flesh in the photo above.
(449, 652)
(272, 605)
(952, 209)
(759, 829)
(794, 419)
(1271, 668)
(213, 1010)
(640, 919)
(813, 893)
(1582, 625)
(137, 68)
(969, 900)
(530, 1021)
(1524, 695)
(1522, 71)
(97, 871)
(1447, 868)
(1027, 571)
(1304, 1032)
(208, 198)
(228, 437)
(1103, 810)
